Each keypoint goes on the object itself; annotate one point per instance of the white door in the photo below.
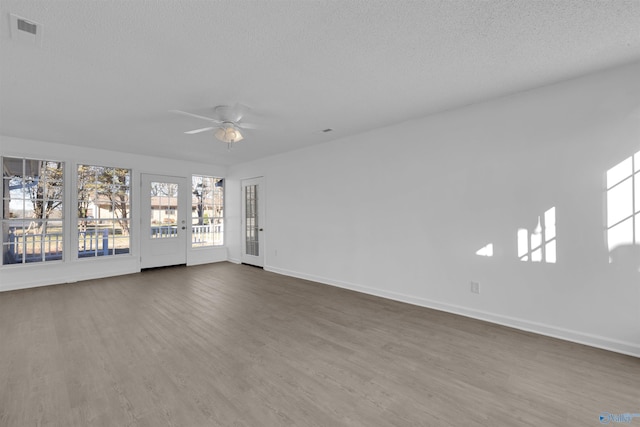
(164, 220)
(253, 221)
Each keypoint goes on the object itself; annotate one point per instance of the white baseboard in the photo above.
(206, 256)
(60, 280)
(617, 346)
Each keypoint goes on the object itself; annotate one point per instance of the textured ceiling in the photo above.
(108, 71)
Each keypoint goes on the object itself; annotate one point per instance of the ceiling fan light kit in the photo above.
(228, 133)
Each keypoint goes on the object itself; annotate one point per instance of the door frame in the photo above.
(164, 252)
(245, 258)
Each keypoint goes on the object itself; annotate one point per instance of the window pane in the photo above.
(55, 210)
(110, 244)
(96, 240)
(13, 242)
(121, 245)
(619, 172)
(122, 227)
(17, 208)
(43, 208)
(8, 254)
(218, 231)
(619, 202)
(621, 234)
(52, 240)
(102, 241)
(32, 240)
(202, 235)
(12, 166)
(86, 239)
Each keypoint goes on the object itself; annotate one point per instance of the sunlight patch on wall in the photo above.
(623, 203)
(485, 250)
(539, 245)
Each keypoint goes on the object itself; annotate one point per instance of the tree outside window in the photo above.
(207, 204)
(104, 211)
(33, 210)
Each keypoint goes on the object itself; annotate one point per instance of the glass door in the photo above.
(164, 221)
(252, 221)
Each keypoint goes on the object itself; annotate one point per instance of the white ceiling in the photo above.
(108, 71)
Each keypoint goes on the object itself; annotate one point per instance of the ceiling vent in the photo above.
(322, 131)
(27, 26)
(25, 30)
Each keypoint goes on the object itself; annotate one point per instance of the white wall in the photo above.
(400, 211)
(71, 270)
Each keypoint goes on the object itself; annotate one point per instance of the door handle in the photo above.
(184, 228)
(261, 229)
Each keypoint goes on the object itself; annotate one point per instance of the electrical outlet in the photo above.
(475, 287)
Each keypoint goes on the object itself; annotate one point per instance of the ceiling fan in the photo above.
(226, 122)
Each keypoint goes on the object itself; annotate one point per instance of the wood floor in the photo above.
(233, 345)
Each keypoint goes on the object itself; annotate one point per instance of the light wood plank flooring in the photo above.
(233, 345)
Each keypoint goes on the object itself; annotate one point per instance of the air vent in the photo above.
(27, 26)
(322, 131)
(25, 31)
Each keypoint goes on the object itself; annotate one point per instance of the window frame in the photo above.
(115, 221)
(220, 218)
(61, 251)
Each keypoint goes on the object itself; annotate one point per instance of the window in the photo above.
(164, 212)
(623, 203)
(104, 211)
(33, 210)
(540, 244)
(207, 204)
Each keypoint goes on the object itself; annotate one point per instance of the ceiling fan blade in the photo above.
(191, 132)
(184, 113)
(243, 125)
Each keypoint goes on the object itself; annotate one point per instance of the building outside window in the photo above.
(104, 211)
